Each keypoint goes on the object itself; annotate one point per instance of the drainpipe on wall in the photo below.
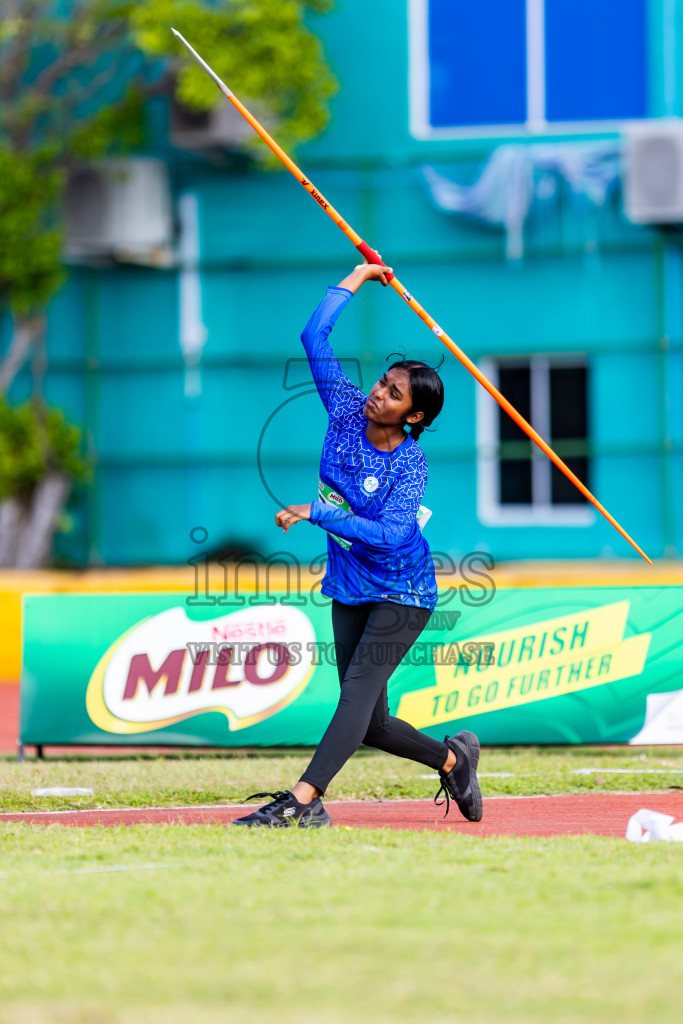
(668, 298)
(192, 338)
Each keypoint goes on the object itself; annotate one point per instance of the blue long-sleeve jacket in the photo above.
(382, 555)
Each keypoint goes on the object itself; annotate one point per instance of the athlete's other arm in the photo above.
(286, 517)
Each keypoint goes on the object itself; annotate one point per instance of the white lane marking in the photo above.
(63, 791)
(480, 775)
(101, 870)
(130, 810)
(627, 771)
(119, 867)
(577, 771)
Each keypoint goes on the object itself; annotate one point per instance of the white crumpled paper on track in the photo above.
(651, 826)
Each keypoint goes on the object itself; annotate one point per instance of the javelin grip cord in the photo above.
(372, 257)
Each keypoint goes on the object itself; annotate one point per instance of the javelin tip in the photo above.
(202, 63)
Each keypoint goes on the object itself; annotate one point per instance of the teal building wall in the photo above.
(589, 282)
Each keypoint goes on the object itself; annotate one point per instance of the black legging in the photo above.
(371, 640)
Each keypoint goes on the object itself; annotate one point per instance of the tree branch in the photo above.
(48, 500)
(27, 330)
(18, 128)
(71, 59)
(159, 88)
(73, 97)
(16, 60)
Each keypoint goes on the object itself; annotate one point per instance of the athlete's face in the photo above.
(390, 400)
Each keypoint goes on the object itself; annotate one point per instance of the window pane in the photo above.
(477, 62)
(514, 474)
(596, 63)
(568, 414)
(515, 482)
(515, 384)
(563, 491)
(569, 421)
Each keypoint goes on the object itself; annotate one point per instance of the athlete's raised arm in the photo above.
(362, 273)
(340, 396)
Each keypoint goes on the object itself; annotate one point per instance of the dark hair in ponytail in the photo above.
(426, 391)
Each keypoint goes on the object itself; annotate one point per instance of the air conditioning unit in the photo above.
(653, 171)
(221, 127)
(120, 208)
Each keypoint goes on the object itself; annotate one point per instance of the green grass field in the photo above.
(205, 924)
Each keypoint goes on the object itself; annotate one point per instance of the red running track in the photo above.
(603, 814)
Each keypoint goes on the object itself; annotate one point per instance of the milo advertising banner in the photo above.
(565, 665)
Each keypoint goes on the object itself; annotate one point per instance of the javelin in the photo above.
(372, 257)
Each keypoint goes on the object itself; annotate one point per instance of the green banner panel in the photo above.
(545, 665)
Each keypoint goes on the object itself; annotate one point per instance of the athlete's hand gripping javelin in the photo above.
(366, 272)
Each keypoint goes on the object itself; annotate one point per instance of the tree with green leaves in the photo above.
(75, 78)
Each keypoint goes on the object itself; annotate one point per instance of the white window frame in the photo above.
(541, 512)
(536, 124)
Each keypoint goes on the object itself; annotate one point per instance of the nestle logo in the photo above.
(336, 498)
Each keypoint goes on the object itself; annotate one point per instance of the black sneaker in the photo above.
(461, 781)
(285, 811)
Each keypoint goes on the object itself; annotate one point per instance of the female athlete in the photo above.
(379, 573)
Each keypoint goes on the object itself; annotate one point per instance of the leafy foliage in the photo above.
(32, 444)
(261, 49)
(30, 238)
(75, 76)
